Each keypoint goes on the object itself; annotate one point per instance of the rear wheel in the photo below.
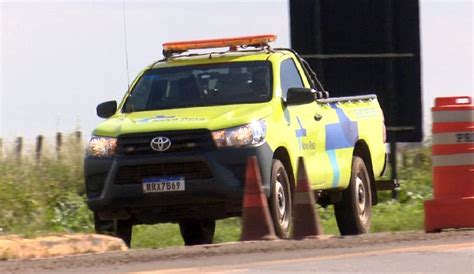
(197, 232)
(354, 211)
(118, 228)
(280, 200)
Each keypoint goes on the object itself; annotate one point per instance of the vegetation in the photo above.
(44, 196)
(48, 197)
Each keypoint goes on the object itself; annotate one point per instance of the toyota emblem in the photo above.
(160, 143)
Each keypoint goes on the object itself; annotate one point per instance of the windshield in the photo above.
(201, 85)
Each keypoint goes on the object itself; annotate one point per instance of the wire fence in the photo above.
(56, 146)
(20, 147)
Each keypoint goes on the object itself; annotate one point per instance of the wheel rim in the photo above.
(282, 201)
(362, 199)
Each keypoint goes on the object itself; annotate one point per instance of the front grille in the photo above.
(135, 174)
(181, 141)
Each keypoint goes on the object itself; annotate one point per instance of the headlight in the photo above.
(246, 135)
(101, 146)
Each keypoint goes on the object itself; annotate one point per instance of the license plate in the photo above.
(163, 184)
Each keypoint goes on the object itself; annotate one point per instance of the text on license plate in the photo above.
(163, 184)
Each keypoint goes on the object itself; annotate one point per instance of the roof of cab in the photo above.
(220, 57)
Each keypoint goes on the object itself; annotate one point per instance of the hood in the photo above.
(212, 118)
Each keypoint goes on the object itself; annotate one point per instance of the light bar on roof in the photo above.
(176, 47)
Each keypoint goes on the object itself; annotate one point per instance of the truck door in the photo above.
(308, 130)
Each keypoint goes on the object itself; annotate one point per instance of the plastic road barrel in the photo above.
(453, 165)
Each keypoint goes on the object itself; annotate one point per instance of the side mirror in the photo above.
(106, 109)
(300, 96)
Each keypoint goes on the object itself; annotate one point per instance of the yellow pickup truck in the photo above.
(175, 148)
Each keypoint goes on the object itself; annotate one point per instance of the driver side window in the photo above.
(289, 76)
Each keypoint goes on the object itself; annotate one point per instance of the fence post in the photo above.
(78, 137)
(39, 147)
(59, 144)
(18, 148)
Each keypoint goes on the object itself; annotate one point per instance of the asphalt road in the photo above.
(447, 252)
(454, 257)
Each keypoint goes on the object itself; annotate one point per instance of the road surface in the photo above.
(447, 252)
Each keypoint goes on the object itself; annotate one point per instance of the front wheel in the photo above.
(354, 211)
(118, 228)
(280, 200)
(197, 232)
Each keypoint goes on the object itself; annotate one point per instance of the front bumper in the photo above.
(216, 196)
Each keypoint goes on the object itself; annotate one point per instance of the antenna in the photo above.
(125, 40)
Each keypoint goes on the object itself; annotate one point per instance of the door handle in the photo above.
(318, 117)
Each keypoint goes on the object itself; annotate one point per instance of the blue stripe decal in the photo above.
(300, 133)
(343, 134)
(335, 167)
(340, 113)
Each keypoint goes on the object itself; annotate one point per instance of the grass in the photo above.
(45, 196)
(48, 197)
(163, 235)
(403, 214)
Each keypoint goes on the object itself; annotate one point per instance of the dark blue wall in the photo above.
(365, 46)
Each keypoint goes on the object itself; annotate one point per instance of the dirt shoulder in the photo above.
(175, 253)
(14, 247)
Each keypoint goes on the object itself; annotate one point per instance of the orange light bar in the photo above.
(219, 43)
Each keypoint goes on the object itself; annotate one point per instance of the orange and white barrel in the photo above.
(453, 165)
(453, 147)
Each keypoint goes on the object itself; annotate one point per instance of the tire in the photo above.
(280, 202)
(197, 232)
(354, 211)
(118, 228)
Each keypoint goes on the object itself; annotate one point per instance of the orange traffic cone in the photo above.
(256, 221)
(306, 221)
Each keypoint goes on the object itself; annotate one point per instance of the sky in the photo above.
(60, 59)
